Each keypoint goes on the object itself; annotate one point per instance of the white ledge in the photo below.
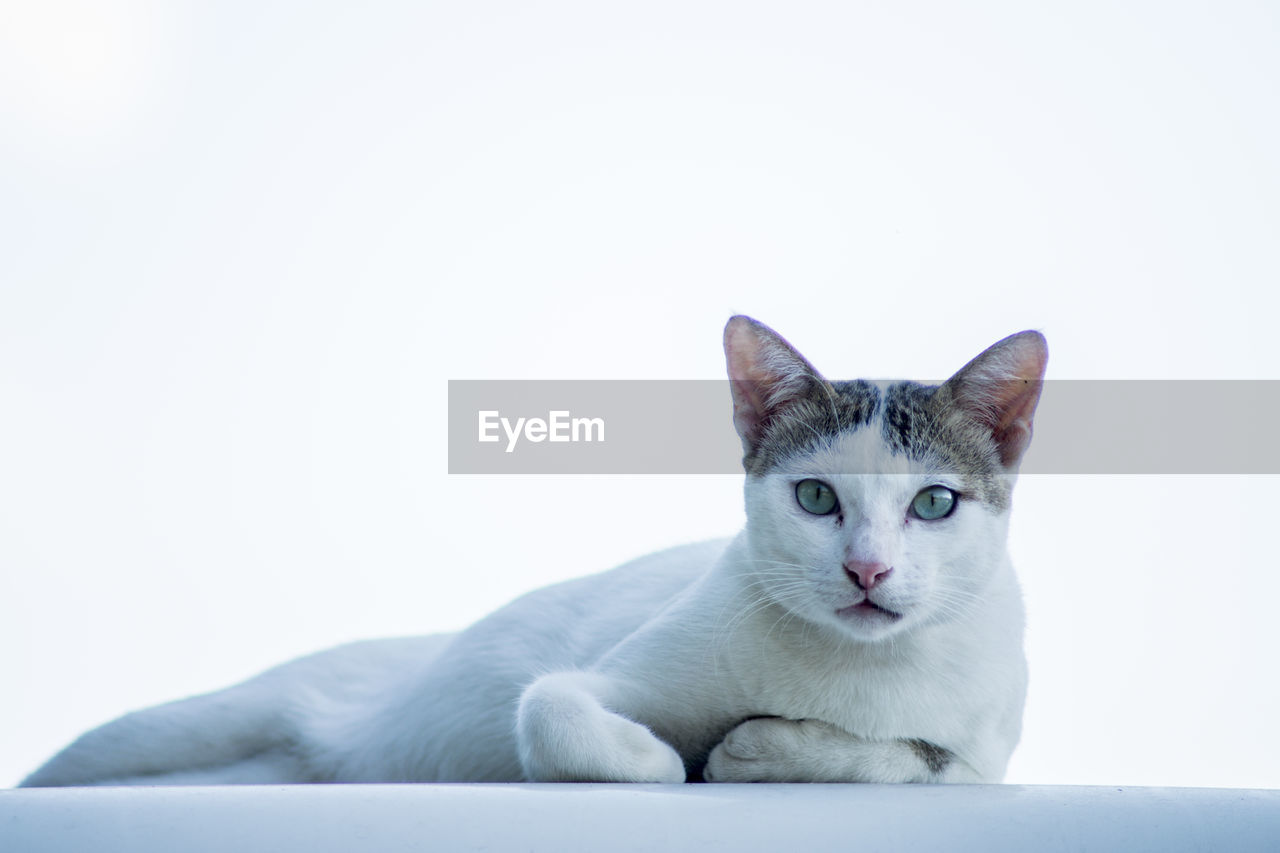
(563, 817)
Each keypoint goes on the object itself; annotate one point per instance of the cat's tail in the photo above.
(241, 734)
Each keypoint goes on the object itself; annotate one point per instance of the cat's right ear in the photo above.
(766, 375)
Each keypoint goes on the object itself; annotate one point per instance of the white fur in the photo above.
(633, 674)
(728, 656)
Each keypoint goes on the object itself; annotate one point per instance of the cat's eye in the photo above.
(933, 502)
(816, 497)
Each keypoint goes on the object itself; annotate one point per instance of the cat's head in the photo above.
(871, 506)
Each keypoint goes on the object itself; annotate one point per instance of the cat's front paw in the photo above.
(773, 749)
(564, 735)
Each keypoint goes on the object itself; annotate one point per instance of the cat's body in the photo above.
(854, 631)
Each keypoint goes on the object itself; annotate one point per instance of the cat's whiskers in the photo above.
(792, 588)
(723, 634)
(953, 603)
(776, 596)
(758, 601)
(785, 617)
(763, 592)
(766, 594)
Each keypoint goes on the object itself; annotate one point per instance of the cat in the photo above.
(865, 626)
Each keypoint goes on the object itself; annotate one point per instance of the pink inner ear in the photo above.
(765, 373)
(747, 406)
(1013, 441)
(1001, 388)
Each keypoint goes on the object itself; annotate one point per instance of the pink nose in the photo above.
(866, 575)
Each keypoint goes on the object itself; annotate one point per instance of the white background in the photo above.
(243, 247)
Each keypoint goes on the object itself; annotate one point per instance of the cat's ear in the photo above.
(1000, 389)
(766, 375)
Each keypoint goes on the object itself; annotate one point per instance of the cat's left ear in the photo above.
(1000, 389)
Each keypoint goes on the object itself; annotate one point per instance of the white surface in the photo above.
(243, 246)
(593, 818)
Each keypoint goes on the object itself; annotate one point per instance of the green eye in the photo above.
(933, 503)
(816, 497)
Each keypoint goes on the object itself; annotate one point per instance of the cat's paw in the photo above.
(773, 749)
(565, 735)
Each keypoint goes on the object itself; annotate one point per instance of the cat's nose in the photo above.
(865, 574)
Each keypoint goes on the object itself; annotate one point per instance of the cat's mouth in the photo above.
(867, 607)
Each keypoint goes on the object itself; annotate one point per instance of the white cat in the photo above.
(865, 626)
